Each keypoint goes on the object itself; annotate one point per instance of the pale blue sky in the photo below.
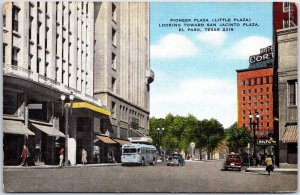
(195, 71)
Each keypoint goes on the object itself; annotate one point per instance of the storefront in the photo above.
(289, 144)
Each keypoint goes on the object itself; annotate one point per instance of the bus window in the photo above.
(129, 150)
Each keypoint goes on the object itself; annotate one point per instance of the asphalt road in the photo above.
(204, 176)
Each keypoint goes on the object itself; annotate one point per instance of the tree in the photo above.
(237, 138)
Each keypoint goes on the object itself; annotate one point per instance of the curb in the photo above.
(57, 167)
(275, 170)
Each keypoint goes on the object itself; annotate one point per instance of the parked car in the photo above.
(233, 161)
(176, 159)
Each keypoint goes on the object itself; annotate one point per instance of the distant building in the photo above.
(254, 92)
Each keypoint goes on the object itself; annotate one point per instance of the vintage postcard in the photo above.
(150, 97)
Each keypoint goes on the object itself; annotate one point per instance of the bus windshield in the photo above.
(129, 150)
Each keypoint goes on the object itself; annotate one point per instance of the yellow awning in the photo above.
(89, 106)
(290, 134)
(15, 127)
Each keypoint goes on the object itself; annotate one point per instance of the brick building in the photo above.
(255, 96)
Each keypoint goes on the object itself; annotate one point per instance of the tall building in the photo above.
(285, 79)
(255, 97)
(55, 48)
(122, 73)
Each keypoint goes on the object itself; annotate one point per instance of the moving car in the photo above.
(176, 159)
(233, 161)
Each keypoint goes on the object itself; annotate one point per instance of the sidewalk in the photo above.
(57, 167)
(276, 169)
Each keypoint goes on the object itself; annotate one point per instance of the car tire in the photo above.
(240, 169)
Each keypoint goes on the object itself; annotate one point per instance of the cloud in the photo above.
(173, 46)
(212, 37)
(202, 97)
(248, 46)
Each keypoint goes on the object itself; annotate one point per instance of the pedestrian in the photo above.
(61, 157)
(24, 155)
(269, 164)
(84, 156)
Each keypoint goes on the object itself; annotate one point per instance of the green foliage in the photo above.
(237, 138)
(180, 131)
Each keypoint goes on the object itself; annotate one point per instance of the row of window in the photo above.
(114, 36)
(260, 97)
(260, 116)
(254, 105)
(257, 81)
(261, 90)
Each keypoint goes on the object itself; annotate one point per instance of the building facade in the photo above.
(288, 94)
(285, 24)
(122, 73)
(52, 49)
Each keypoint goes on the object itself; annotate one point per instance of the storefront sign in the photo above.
(265, 142)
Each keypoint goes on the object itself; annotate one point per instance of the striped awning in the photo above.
(290, 134)
(121, 141)
(106, 139)
(15, 127)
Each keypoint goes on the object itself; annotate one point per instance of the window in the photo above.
(243, 82)
(113, 108)
(249, 91)
(267, 80)
(15, 15)
(267, 103)
(244, 112)
(249, 82)
(254, 80)
(292, 93)
(113, 61)
(255, 104)
(261, 97)
(3, 54)
(15, 52)
(30, 26)
(267, 89)
(249, 98)
(261, 89)
(113, 84)
(244, 98)
(261, 103)
(38, 65)
(243, 92)
(255, 97)
(4, 17)
(287, 6)
(249, 105)
(113, 11)
(114, 37)
(255, 90)
(243, 105)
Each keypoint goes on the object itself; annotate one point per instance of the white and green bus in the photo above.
(140, 154)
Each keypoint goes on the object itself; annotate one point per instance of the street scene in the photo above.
(196, 176)
(150, 97)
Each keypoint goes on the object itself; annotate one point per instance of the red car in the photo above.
(233, 161)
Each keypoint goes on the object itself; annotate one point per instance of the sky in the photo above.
(195, 71)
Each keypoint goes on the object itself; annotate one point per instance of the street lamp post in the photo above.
(67, 108)
(159, 133)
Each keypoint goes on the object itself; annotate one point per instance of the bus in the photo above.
(141, 154)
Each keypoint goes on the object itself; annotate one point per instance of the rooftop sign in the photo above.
(264, 59)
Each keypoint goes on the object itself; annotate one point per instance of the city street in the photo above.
(196, 176)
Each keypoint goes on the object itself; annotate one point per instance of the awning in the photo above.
(121, 141)
(51, 131)
(106, 139)
(15, 127)
(290, 134)
(89, 106)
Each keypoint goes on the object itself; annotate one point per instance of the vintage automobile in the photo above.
(175, 159)
(233, 161)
